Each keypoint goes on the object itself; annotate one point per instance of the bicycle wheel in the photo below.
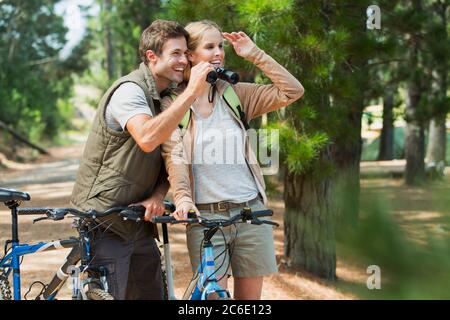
(98, 294)
(164, 282)
(5, 288)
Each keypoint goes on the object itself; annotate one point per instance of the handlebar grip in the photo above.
(163, 219)
(262, 213)
(188, 220)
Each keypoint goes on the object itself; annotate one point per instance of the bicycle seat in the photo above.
(10, 195)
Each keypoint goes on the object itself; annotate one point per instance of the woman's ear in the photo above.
(190, 56)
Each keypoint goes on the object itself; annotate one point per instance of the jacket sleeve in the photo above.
(260, 99)
(176, 164)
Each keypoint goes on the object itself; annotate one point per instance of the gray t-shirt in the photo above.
(127, 101)
(220, 170)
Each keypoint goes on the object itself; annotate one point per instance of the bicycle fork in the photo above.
(15, 259)
(168, 264)
(207, 283)
(62, 274)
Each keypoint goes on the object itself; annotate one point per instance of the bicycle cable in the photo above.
(44, 287)
(6, 249)
(101, 235)
(223, 260)
(230, 248)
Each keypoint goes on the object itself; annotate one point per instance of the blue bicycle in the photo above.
(204, 284)
(87, 283)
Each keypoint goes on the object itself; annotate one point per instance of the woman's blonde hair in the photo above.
(196, 30)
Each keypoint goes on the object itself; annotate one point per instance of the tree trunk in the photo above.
(347, 157)
(108, 40)
(414, 139)
(437, 135)
(386, 151)
(414, 132)
(414, 153)
(437, 140)
(309, 227)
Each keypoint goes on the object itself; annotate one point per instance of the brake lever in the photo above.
(40, 219)
(270, 222)
(54, 215)
(260, 222)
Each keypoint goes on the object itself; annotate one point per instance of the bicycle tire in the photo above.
(98, 294)
(164, 282)
(5, 288)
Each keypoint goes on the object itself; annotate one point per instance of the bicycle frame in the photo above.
(11, 262)
(81, 248)
(207, 274)
(206, 271)
(205, 282)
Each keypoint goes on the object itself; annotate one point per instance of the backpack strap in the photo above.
(185, 121)
(233, 102)
(231, 99)
(186, 118)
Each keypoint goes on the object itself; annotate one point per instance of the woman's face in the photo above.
(210, 49)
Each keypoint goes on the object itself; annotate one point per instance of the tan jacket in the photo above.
(256, 100)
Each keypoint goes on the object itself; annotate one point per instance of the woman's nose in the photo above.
(217, 52)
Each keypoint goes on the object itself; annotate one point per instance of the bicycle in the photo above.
(204, 283)
(87, 283)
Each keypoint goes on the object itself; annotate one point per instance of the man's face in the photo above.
(169, 65)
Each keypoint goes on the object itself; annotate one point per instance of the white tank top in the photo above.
(220, 170)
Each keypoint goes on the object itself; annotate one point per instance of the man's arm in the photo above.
(149, 132)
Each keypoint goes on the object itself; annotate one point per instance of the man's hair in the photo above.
(154, 37)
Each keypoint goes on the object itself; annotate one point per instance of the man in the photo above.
(122, 165)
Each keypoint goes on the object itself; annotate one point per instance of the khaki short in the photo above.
(252, 248)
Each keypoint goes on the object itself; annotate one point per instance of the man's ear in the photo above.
(151, 56)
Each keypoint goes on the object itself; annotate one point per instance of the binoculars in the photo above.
(221, 73)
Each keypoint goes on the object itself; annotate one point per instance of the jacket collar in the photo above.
(149, 81)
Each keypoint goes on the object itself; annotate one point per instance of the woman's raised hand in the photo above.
(241, 43)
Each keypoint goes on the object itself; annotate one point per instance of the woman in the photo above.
(200, 177)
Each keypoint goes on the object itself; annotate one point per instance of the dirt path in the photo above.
(50, 183)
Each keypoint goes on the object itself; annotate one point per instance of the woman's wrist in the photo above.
(254, 54)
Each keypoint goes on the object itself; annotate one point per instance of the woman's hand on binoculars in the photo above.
(241, 43)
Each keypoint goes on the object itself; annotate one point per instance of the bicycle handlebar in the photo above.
(246, 216)
(134, 213)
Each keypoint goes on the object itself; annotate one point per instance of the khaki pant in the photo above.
(252, 248)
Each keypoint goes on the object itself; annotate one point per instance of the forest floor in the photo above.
(50, 179)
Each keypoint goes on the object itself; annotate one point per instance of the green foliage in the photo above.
(33, 79)
(409, 269)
